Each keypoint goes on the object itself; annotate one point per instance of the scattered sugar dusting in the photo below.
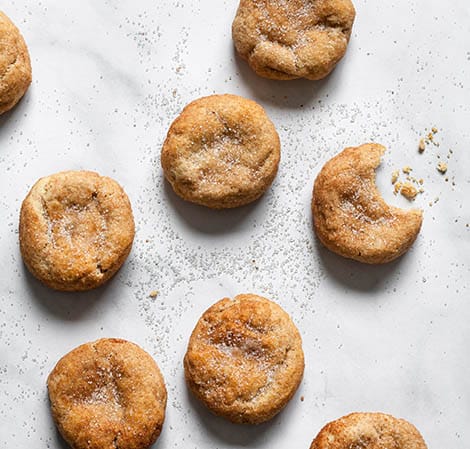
(108, 107)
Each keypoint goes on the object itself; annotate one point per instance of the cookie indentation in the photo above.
(221, 152)
(76, 230)
(244, 359)
(285, 40)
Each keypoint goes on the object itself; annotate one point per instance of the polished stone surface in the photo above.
(109, 77)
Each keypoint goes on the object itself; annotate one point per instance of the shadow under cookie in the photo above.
(356, 275)
(226, 432)
(68, 306)
(210, 221)
(9, 119)
(295, 94)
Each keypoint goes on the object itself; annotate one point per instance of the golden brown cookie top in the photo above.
(108, 394)
(244, 359)
(350, 216)
(76, 229)
(221, 152)
(15, 64)
(288, 39)
(369, 431)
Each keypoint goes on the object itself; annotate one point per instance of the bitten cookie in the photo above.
(349, 215)
(76, 230)
(108, 394)
(15, 65)
(244, 359)
(369, 431)
(288, 39)
(221, 152)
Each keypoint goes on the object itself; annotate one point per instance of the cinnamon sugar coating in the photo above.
(244, 359)
(288, 39)
(15, 64)
(369, 431)
(108, 394)
(221, 152)
(76, 230)
(351, 218)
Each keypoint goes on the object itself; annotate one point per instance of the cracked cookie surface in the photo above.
(108, 394)
(288, 39)
(15, 64)
(369, 431)
(244, 359)
(350, 216)
(76, 230)
(221, 152)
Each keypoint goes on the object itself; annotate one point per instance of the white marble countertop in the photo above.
(109, 77)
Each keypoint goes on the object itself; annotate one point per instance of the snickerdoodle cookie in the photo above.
(221, 152)
(288, 39)
(108, 394)
(244, 359)
(350, 216)
(76, 230)
(369, 431)
(15, 65)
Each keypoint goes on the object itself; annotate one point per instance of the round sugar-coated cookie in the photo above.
(15, 64)
(221, 152)
(369, 431)
(244, 359)
(76, 230)
(350, 216)
(288, 39)
(108, 394)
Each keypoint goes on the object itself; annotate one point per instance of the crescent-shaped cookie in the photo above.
(351, 218)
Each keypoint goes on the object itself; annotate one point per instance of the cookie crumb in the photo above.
(302, 399)
(407, 169)
(153, 293)
(395, 176)
(398, 187)
(409, 191)
(434, 130)
(442, 167)
(422, 145)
